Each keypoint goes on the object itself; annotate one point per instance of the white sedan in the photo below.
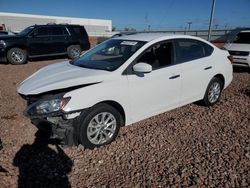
(122, 81)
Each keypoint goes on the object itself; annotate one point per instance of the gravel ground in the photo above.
(190, 146)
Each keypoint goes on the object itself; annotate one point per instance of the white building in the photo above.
(17, 22)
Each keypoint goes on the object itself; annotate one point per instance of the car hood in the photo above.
(237, 47)
(10, 37)
(60, 76)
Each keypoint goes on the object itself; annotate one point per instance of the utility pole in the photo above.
(146, 21)
(211, 20)
(189, 25)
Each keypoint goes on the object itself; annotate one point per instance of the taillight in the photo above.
(230, 58)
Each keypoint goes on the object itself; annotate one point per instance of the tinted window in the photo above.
(58, 31)
(159, 55)
(42, 31)
(80, 31)
(26, 30)
(243, 38)
(188, 49)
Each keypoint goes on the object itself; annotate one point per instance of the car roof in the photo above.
(152, 36)
(52, 24)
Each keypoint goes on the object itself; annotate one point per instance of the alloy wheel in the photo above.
(101, 128)
(75, 52)
(17, 56)
(214, 92)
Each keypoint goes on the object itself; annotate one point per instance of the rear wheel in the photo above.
(17, 56)
(213, 92)
(74, 51)
(100, 126)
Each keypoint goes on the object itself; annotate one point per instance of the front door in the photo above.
(39, 42)
(159, 90)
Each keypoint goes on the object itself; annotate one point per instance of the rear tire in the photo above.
(213, 92)
(74, 51)
(99, 126)
(17, 56)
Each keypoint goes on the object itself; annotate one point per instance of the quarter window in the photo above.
(189, 49)
(79, 31)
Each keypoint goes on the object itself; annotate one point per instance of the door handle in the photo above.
(175, 76)
(207, 68)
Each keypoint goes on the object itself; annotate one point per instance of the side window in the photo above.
(79, 31)
(42, 31)
(159, 55)
(57, 31)
(189, 49)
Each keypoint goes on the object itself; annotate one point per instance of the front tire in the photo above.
(17, 56)
(213, 92)
(100, 126)
(74, 51)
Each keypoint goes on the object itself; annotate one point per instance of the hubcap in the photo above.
(214, 92)
(75, 52)
(101, 128)
(17, 56)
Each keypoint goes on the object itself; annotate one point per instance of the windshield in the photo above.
(26, 30)
(243, 38)
(109, 55)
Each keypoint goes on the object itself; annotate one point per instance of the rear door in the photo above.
(159, 90)
(197, 68)
(59, 39)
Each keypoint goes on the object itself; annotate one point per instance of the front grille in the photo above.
(240, 53)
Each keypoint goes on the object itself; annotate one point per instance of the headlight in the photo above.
(2, 42)
(44, 107)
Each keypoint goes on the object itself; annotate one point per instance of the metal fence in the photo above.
(199, 33)
(215, 34)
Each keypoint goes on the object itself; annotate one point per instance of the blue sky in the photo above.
(159, 14)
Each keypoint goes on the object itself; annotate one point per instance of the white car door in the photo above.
(157, 91)
(197, 68)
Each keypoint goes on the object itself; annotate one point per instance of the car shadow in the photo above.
(41, 166)
(2, 170)
(241, 69)
(46, 58)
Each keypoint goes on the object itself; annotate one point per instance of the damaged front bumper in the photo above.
(46, 112)
(62, 127)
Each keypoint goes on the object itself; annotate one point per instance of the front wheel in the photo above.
(17, 56)
(100, 126)
(213, 92)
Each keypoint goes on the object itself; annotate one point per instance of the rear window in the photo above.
(189, 49)
(58, 31)
(243, 38)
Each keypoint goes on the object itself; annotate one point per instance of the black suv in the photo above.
(44, 40)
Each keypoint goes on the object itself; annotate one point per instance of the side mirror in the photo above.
(142, 68)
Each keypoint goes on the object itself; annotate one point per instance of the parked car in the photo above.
(4, 32)
(102, 39)
(239, 48)
(122, 81)
(44, 40)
